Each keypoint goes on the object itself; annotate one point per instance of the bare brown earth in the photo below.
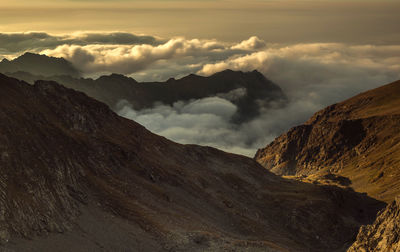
(76, 176)
(357, 139)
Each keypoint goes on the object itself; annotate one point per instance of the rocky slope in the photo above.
(358, 139)
(74, 175)
(249, 91)
(383, 235)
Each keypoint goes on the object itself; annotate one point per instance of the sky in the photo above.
(275, 21)
(318, 52)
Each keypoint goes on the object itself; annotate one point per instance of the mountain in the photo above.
(249, 91)
(357, 139)
(384, 234)
(74, 176)
(37, 64)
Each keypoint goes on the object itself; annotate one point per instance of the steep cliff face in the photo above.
(357, 138)
(69, 165)
(383, 234)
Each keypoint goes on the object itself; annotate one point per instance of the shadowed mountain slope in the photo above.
(358, 138)
(71, 166)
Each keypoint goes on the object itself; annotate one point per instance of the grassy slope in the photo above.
(377, 172)
(358, 138)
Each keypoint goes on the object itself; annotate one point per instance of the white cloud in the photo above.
(128, 59)
(253, 43)
(133, 58)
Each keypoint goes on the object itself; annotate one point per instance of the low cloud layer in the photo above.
(205, 121)
(312, 75)
(208, 121)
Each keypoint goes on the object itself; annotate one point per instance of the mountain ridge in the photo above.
(256, 91)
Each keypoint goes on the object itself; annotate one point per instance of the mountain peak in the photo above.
(39, 64)
(116, 78)
(256, 72)
(191, 76)
(227, 73)
(33, 55)
(40, 58)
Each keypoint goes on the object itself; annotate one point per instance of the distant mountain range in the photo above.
(39, 65)
(71, 166)
(248, 91)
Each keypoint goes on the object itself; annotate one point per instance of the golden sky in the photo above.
(279, 21)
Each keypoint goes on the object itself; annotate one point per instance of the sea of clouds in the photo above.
(313, 75)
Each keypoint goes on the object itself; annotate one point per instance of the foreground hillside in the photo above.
(358, 139)
(75, 176)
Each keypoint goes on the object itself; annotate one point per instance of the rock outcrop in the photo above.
(383, 235)
(76, 176)
(358, 139)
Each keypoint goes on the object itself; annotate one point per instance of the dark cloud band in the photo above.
(36, 41)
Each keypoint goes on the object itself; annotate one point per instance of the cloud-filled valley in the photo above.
(312, 75)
